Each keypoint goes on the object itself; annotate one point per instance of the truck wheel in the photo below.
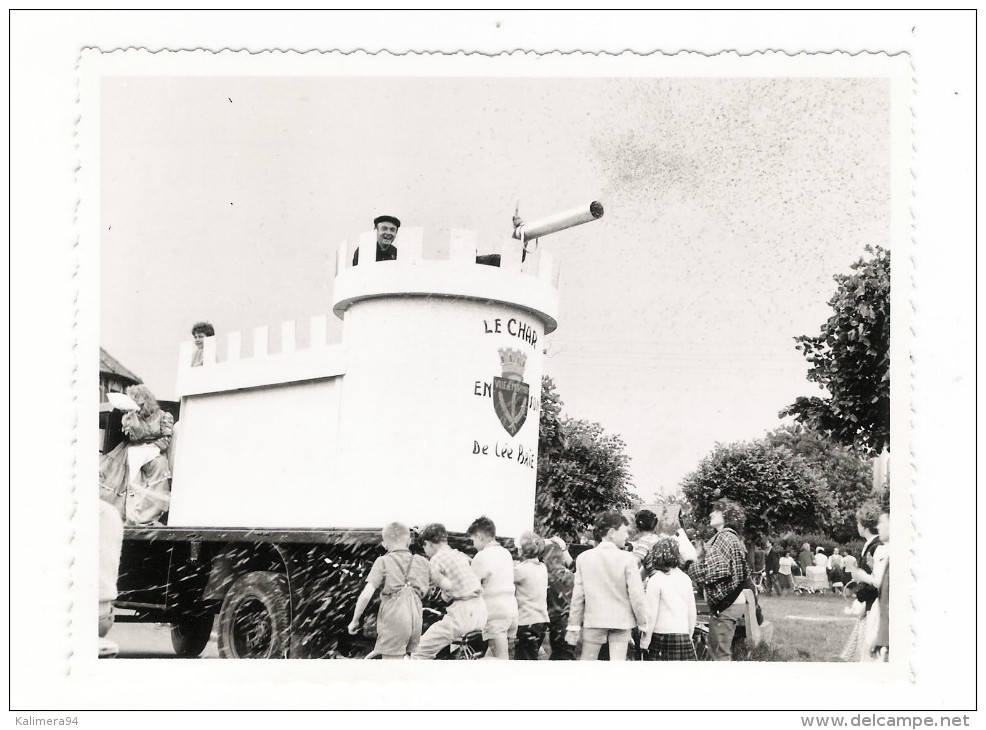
(190, 635)
(254, 622)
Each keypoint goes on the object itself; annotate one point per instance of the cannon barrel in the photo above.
(560, 221)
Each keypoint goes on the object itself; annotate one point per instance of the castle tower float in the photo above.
(427, 411)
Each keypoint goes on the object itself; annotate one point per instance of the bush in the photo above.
(793, 541)
(777, 488)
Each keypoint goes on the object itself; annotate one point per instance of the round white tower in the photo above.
(440, 402)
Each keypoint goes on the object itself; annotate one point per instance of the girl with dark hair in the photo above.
(667, 635)
(201, 330)
(645, 522)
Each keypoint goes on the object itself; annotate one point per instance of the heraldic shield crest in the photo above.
(510, 393)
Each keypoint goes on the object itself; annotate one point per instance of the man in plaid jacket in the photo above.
(721, 567)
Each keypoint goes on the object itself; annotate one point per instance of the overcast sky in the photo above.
(730, 204)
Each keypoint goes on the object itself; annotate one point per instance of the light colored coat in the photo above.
(608, 592)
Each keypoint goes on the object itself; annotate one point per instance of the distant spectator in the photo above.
(835, 570)
(805, 559)
(495, 569)
(402, 579)
(771, 566)
(817, 572)
(608, 598)
(560, 584)
(450, 571)
(821, 559)
(201, 330)
(785, 566)
(849, 564)
(531, 586)
(759, 559)
(671, 614)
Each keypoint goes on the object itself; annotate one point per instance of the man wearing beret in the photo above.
(386, 226)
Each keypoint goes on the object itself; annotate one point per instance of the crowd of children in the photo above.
(534, 605)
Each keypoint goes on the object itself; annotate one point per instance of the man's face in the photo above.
(620, 535)
(479, 540)
(199, 339)
(386, 233)
(716, 519)
(430, 548)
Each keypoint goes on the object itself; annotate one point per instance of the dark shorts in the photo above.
(529, 638)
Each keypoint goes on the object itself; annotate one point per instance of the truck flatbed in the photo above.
(308, 535)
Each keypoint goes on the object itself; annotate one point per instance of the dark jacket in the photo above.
(383, 254)
(758, 560)
(867, 593)
(805, 560)
(773, 561)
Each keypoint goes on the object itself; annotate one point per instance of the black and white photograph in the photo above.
(499, 357)
(650, 313)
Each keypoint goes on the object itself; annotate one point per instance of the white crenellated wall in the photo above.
(398, 422)
(532, 284)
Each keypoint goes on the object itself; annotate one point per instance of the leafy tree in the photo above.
(847, 476)
(549, 424)
(778, 489)
(582, 470)
(850, 358)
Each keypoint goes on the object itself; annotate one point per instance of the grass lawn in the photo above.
(807, 628)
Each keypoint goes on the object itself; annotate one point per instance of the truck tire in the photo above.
(190, 635)
(254, 621)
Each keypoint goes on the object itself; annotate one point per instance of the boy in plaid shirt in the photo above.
(451, 572)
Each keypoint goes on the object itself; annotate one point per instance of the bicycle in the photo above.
(759, 581)
(700, 638)
(467, 647)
